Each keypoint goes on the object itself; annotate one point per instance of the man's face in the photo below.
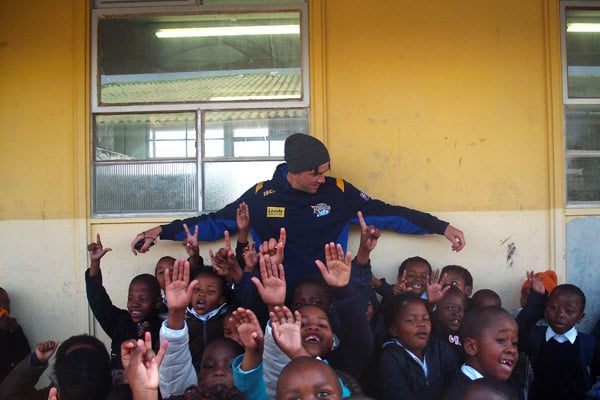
(309, 181)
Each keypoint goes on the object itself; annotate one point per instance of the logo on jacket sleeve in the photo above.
(275, 212)
(321, 209)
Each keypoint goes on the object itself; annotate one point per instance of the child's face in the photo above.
(141, 302)
(160, 271)
(417, 276)
(309, 293)
(494, 352)
(455, 279)
(208, 294)
(308, 382)
(412, 327)
(215, 368)
(563, 311)
(451, 311)
(316, 333)
(230, 331)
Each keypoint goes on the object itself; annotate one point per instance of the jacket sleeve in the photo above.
(274, 359)
(251, 383)
(210, 226)
(392, 217)
(176, 372)
(527, 318)
(394, 374)
(105, 312)
(20, 383)
(355, 333)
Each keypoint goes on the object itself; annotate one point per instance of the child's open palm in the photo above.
(337, 271)
(177, 288)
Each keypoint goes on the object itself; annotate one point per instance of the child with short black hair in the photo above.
(143, 302)
(413, 275)
(447, 318)
(162, 265)
(307, 378)
(207, 311)
(459, 276)
(414, 364)
(489, 388)
(490, 338)
(486, 298)
(565, 362)
(14, 345)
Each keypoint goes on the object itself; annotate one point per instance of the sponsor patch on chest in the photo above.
(275, 212)
(321, 209)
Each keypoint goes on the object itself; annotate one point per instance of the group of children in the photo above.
(235, 330)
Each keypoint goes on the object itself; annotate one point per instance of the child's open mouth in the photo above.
(312, 339)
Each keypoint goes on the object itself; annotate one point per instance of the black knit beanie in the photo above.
(304, 153)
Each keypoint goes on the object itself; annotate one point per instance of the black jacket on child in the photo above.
(117, 322)
(404, 379)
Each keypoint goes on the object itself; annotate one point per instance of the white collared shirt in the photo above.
(569, 335)
(470, 372)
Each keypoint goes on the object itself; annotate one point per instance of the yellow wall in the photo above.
(449, 107)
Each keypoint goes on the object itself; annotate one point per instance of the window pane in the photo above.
(126, 188)
(226, 181)
(251, 133)
(583, 128)
(583, 179)
(145, 136)
(200, 58)
(583, 52)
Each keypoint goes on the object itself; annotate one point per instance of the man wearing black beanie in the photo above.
(314, 210)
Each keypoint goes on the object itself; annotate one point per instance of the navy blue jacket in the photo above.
(310, 219)
(404, 379)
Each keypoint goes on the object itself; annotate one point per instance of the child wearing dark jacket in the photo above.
(143, 302)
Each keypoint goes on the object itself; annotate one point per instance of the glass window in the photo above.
(191, 107)
(581, 93)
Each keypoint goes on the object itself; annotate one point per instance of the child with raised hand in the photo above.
(565, 361)
(192, 248)
(414, 364)
(141, 366)
(143, 303)
(490, 338)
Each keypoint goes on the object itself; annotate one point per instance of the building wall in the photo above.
(449, 107)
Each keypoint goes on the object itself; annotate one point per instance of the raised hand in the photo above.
(272, 286)
(286, 331)
(225, 263)
(178, 290)
(243, 222)
(401, 287)
(274, 248)
(537, 283)
(96, 250)
(44, 350)
(190, 243)
(141, 366)
(435, 289)
(250, 257)
(456, 237)
(368, 239)
(248, 328)
(337, 271)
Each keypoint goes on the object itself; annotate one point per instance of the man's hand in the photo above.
(456, 237)
(337, 271)
(148, 237)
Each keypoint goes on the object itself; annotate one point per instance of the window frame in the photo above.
(199, 108)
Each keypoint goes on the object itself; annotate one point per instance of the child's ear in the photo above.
(468, 290)
(470, 346)
(580, 318)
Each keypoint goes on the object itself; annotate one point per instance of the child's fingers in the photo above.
(361, 221)
(187, 230)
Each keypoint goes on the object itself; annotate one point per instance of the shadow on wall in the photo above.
(583, 265)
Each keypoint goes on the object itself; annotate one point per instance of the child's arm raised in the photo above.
(141, 366)
(252, 337)
(225, 263)
(272, 286)
(97, 251)
(286, 332)
(179, 293)
(336, 271)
